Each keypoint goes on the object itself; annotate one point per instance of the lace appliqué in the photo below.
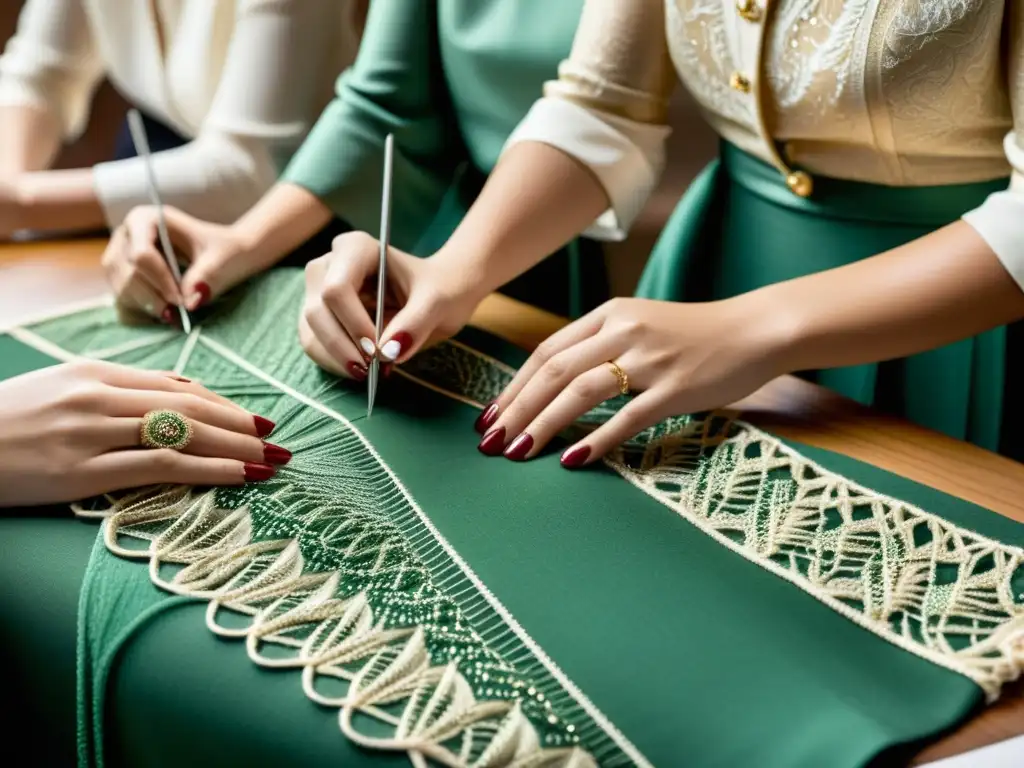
(939, 591)
(813, 54)
(702, 56)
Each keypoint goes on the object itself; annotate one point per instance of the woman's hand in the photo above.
(426, 301)
(680, 358)
(138, 272)
(73, 431)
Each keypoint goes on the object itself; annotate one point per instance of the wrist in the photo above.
(464, 277)
(778, 327)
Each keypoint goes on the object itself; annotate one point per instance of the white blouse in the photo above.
(901, 93)
(244, 80)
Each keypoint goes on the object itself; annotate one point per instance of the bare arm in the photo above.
(31, 139)
(536, 200)
(280, 222)
(941, 288)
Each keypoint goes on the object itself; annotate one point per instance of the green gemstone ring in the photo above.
(165, 429)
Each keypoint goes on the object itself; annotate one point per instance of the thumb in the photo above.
(203, 279)
(409, 329)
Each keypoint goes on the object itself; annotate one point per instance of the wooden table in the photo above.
(37, 277)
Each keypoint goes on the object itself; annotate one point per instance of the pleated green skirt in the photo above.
(739, 228)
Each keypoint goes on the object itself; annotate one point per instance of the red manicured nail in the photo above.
(393, 348)
(493, 442)
(254, 473)
(168, 315)
(201, 295)
(575, 456)
(484, 420)
(356, 370)
(519, 447)
(275, 454)
(386, 370)
(263, 426)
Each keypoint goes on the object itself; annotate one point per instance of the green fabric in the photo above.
(689, 649)
(450, 79)
(739, 228)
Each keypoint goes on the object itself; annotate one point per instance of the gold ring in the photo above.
(621, 376)
(165, 429)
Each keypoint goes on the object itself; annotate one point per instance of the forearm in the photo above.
(537, 199)
(31, 139)
(280, 222)
(59, 201)
(933, 291)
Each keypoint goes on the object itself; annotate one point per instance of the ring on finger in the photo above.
(165, 429)
(620, 376)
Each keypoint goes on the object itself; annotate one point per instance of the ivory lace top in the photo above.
(243, 79)
(902, 93)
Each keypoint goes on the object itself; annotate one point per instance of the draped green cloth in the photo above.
(739, 228)
(710, 596)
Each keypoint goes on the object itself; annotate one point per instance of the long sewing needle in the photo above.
(382, 277)
(138, 132)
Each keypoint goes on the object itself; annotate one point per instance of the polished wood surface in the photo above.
(37, 277)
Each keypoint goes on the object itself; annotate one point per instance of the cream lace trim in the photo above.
(942, 592)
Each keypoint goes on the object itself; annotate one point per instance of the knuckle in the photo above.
(147, 260)
(352, 241)
(545, 350)
(334, 293)
(87, 397)
(554, 369)
(586, 389)
(163, 461)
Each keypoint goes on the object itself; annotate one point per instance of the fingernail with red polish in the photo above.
(263, 426)
(386, 370)
(356, 370)
(200, 295)
(493, 442)
(519, 447)
(484, 420)
(575, 456)
(255, 473)
(275, 454)
(167, 316)
(392, 349)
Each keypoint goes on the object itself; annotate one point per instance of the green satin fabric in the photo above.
(739, 228)
(697, 654)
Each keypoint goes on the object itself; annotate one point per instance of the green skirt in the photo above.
(739, 228)
(711, 596)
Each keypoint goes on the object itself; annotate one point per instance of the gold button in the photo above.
(739, 82)
(748, 9)
(800, 183)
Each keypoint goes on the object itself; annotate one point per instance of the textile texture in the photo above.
(710, 596)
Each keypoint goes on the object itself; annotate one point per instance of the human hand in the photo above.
(680, 358)
(138, 273)
(426, 301)
(73, 431)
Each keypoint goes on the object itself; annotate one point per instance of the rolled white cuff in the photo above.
(212, 177)
(1000, 219)
(626, 156)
